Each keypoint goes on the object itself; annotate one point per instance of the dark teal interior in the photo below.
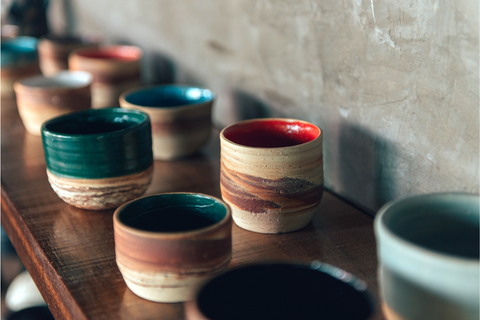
(18, 51)
(447, 227)
(170, 213)
(169, 96)
(94, 122)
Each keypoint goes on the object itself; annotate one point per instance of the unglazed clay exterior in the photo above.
(113, 74)
(100, 194)
(168, 267)
(176, 131)
(426, 273)
(272, 190)
(53, 52)
(36, 104)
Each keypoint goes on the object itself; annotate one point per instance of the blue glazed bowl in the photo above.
(18, 52)
(180, 115)
(99, 158)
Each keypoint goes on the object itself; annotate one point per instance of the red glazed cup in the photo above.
(271, 173)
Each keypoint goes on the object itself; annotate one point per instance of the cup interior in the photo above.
(63, 79)
(172, 213)
(445, 224)
(117, 53)
(97, 121)
(18, 50)
(169, 96)
(271, 133)
(281, 291)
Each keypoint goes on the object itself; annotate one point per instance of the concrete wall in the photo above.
(393, 84)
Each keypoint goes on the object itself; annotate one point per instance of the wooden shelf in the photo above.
(70, 252)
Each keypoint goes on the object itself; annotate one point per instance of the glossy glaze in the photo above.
(168, 265)
(282, 291)
(115, 69)
(42, 98)
(180, 115)
(272, 189)
(429, 261)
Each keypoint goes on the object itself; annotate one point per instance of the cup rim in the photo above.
(23, 83)
(46, 132)
(223, 138)
(381, 230)
(80, 53)
(335, 272)
(171, 235)
(123, 96)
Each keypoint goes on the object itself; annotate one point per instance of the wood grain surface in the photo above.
(70, 252)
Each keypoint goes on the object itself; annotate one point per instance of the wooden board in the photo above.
(70, 252)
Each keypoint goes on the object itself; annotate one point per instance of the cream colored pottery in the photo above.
(271, 173)
(42, 98)
(180, 115)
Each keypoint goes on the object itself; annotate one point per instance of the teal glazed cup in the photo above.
(99, 159)
(167, 244)
(428, 249)
(180, 115)
(282, 291)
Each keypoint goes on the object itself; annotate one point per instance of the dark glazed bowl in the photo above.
(180, 114)
(282, 291)
(167, 244)
(99, 159)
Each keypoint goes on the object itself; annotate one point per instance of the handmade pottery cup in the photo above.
(19, 60)
(271, 173)
(114, 68)
(53, 51)
(282, 291)
(166, 244)
(99, 159)
(428, 249)
(180, 115)
(42, 98)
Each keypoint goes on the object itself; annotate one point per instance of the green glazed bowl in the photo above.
(98, 159)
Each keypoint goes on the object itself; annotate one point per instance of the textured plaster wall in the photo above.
(393, 84)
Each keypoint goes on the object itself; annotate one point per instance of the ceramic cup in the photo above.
(271, 173)
(180, 115)
(99, 159)
(167, 244)
(114, 68)
(19, 60)
(428, 249)
(282, 291)
(53, 51)
(42, 98)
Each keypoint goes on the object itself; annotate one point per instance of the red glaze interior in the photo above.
(271, 133)
(123, 53)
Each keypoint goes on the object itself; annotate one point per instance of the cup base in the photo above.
(272, 223)
(100, 194)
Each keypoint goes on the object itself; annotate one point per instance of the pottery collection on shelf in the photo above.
(175, 247)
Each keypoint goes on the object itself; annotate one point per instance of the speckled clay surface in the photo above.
(272, 189)
(180, 115)
(114, 68)
(167, 266)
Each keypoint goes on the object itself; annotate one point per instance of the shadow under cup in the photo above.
(167, 244)
(429, 257)
(272, 173)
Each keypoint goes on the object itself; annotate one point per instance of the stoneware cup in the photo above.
(42, 98)
(180, 115)
(167, 244)
(19, 60)
(428, 249)
(53, 51)
(99, 159)
(282, 291)
(115, 69)
(271, 173)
